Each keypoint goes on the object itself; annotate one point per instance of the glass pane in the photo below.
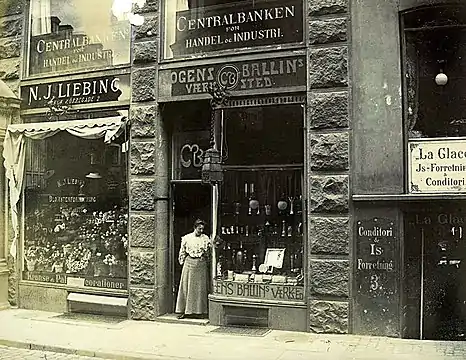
(76, 212)
(261, 206)
(435, 39)
(189, 123)
(198, 26)
(264, 135)
(71, 35)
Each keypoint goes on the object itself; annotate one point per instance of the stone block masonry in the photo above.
(328, 125)
(149, 273)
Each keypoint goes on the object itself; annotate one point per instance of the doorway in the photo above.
(191, 201)
(435, 274)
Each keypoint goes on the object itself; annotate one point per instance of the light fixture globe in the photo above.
(441, 79)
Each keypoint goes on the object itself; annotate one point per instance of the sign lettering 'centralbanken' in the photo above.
(437, 165)
(244, 24)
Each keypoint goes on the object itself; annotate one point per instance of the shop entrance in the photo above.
(435, 270)
(191, 201)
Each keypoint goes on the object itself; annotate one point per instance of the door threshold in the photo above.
(173, 319)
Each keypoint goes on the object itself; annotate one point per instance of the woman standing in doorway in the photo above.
(193, 256)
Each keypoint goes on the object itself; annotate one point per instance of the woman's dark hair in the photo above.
(199, 222)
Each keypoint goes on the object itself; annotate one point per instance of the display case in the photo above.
(260, 215)
(76, 212)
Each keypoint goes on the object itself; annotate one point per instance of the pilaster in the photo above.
(328, 139)
(149, 183)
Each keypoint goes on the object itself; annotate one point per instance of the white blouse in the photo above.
(193, 246)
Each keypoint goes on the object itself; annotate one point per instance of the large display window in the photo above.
(66, 36)
(261, 253)
(74, 201)
(196, 27)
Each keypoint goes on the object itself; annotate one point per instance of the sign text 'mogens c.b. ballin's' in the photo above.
(241, 76)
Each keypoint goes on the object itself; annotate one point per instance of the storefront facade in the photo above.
(408, 166)
(98, 203)
(324, 220)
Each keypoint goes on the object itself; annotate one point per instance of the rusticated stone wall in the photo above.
(11, 29)
(11, 36)
(328, 133)
(148, 260)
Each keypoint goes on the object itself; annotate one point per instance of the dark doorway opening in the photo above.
(191, 201)
(435, 274)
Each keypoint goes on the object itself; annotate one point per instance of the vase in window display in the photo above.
(57, 268)
(101, 269)
(31, 265)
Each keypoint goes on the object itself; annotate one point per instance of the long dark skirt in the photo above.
(192, 293)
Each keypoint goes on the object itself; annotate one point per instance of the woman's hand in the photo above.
(218, 241)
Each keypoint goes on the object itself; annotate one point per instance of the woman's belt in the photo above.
(197, 257)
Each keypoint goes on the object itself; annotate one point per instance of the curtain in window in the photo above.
(40, 15)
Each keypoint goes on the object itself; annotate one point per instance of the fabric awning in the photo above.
(14, 150)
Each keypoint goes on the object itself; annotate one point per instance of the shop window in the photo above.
(76, 211)
(66, 36)
(261, 204)
(435, 53)
(201, 26)
(435, 98)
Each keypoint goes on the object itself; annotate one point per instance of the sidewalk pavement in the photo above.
(143, 340)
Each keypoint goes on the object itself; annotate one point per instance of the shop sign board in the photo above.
(76, 35)
(75, 280)
(244, 76)
(437, 165)
(261, 291)
(75, 92)
(240, 25)
(376, 269)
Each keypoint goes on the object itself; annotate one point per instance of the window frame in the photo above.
(228, 52)
(26, 48)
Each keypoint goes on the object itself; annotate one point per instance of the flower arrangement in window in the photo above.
(65, 238)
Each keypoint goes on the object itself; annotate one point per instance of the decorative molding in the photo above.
(265, 101)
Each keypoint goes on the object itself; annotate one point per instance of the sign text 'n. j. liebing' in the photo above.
(74, 92)
(240, 76)
(256, 23)
(437, 166)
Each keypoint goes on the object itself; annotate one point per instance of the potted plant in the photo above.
(31, 258)
(58, 259)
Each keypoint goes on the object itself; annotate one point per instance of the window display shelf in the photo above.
(261, 226)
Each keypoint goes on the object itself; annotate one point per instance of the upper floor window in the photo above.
(66, 36)
(435, 102)
(435, 71)
(204, 26)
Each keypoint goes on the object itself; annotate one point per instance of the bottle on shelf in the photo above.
(268, 210)
(283, 233)
(220, 266)
(254, 206)
(254, 263)
(289, 231)
(239, 256)
(246, 198)
(298, 206)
